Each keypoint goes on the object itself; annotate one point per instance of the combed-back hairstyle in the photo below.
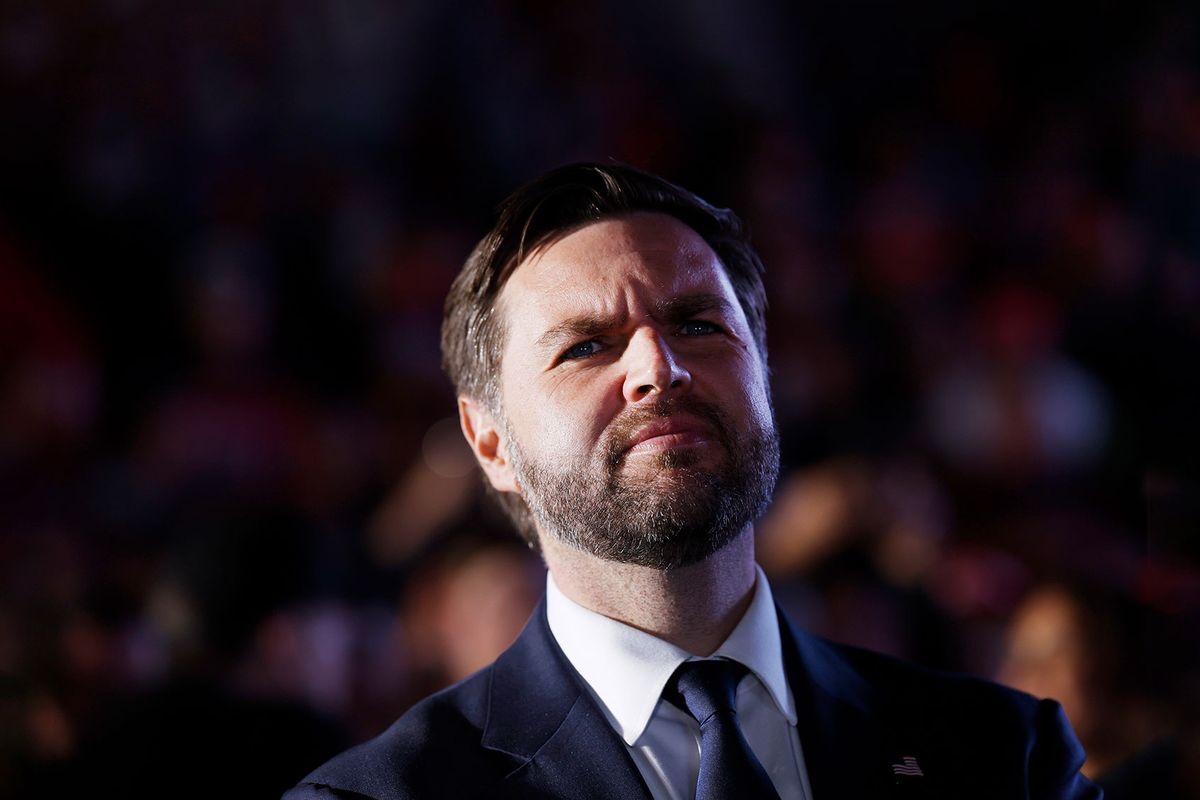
(542, 212)
(547, 209)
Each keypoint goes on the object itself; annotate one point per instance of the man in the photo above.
(607, 341)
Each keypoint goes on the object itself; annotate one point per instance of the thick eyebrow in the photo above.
(671, 311)
(685, 307)
(582, 326)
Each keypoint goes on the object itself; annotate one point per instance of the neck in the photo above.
(694, 607)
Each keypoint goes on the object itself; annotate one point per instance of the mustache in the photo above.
(623, 429)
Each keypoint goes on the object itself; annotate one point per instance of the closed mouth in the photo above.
(669, 433)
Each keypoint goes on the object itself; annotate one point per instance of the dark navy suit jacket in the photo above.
(526, 727)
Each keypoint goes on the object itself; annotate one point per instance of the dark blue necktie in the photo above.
(728, 768)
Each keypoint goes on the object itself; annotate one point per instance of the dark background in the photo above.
(237, 527)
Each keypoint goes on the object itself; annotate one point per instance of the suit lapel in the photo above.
(846, 749)
(540, 713)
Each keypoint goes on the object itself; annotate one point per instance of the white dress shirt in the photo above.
(625, 670)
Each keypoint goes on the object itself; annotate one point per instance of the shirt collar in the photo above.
(627, 668)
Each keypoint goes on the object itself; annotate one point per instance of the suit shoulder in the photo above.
(979, 722)
(420, 755)
(903, 685)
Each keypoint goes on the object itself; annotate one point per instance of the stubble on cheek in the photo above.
(659, 510)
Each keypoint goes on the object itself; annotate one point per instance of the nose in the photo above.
(651, 368)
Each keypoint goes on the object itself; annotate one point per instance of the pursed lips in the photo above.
(664, 434)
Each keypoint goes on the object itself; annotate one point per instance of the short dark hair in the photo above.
(547, 209)
(542, 212)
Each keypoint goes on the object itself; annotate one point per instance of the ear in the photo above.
(488, 443)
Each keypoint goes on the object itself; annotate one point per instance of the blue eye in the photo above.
(698, 327)
(582, 350)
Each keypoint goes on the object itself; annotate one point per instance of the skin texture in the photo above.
(603, 326)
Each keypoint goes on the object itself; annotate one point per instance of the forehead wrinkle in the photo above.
(668, 243)
(612, 311)
(625, 267)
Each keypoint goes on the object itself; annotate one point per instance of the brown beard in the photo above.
(680, 515)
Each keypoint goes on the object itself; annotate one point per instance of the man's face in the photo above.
(636, 417)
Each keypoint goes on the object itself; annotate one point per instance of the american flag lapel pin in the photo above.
(909, 767)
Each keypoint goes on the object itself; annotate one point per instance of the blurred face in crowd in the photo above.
(635, 416)
(1047, 654)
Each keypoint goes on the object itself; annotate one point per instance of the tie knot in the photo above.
(705, 688)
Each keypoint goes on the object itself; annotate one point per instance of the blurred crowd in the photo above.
(238, 526)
